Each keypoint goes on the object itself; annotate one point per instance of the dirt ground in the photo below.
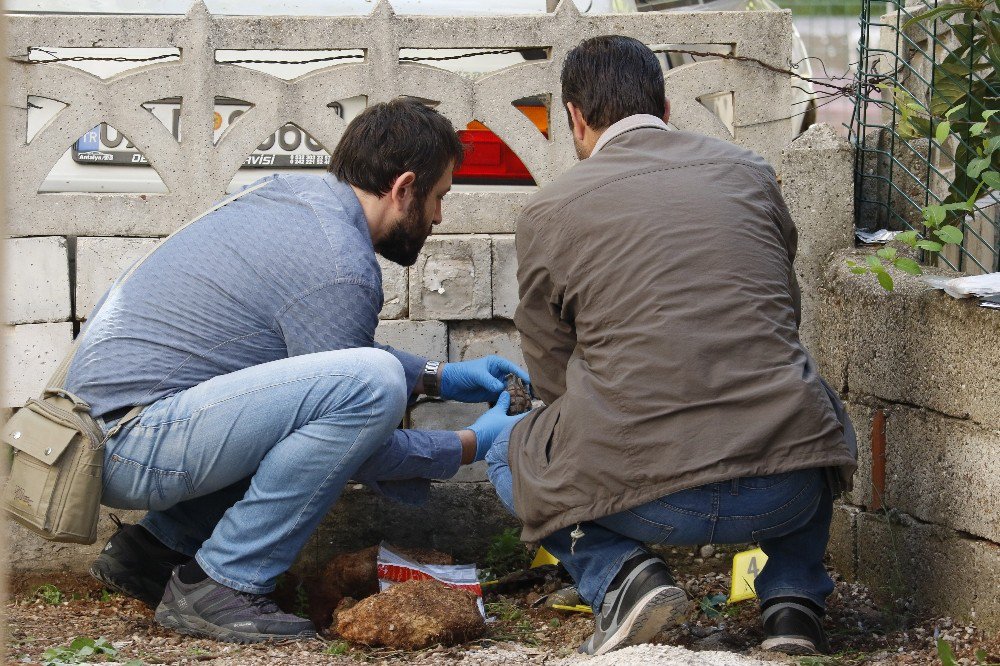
(46, 613)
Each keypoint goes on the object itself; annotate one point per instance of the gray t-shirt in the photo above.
(285, 270)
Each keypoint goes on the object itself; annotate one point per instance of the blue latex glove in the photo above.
(481, 380)
(489, 426)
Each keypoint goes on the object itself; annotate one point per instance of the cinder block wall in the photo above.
(924, 365)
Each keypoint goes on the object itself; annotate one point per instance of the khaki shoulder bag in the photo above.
(57, 451)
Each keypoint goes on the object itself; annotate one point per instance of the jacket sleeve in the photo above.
(547, 341)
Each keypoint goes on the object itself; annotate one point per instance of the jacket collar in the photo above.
(628, 124)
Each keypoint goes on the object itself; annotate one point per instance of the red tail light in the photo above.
(489, 160)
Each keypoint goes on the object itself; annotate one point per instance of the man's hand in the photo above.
(481, 380)
(490, 425)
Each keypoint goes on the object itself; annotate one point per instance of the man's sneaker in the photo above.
(135, 564)
(212, 610)
(793, 628)
(642, 601)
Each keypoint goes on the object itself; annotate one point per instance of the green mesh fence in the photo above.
(928, 155)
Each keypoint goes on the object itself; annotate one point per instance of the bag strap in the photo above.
(57, 381)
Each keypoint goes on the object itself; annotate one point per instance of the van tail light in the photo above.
(489, 160)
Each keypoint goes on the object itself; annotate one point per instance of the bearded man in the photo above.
(247, 340)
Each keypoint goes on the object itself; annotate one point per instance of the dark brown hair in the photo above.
(389, 139)
(612, 77)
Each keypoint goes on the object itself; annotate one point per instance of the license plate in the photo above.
(289, 147)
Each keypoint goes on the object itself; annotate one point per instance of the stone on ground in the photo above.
(412, 616)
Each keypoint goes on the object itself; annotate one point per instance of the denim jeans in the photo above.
(239, 470)
(787, 514)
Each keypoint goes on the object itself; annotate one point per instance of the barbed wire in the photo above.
(828, 83)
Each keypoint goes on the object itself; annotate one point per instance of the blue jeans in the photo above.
(239, 470)
(788, 514)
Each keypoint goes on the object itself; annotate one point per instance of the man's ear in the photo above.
(403, 190)
(666, 110)
(577, 121)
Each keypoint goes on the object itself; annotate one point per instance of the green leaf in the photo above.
(990, 146)
(81, 642)
(981, 656)
(949, 234)
(942, 132)
(934, 215)
(977, 128)
(977, 166)
(887, 253)
(859, 270)
(945, 654)
(907, 266)
(989, 113)
(907, 237)
(992, 179)
(954, 109)
(943, 11)
(885, 280)
(929, 245)
(874, 262)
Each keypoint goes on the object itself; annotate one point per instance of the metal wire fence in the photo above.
(927, 142)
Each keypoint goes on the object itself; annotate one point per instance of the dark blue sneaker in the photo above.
(642, 601)
(212, 610)
(134, 563)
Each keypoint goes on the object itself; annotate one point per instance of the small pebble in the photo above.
(707, 551)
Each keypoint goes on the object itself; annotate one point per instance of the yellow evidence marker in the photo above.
(746, 566)
(543, 557)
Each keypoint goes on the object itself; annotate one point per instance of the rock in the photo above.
(520, 397)
(355, 575)
(412, 616)
(707, 551)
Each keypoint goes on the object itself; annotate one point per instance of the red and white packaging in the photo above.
(394, 568)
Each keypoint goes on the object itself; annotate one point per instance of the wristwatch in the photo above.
(431, 379)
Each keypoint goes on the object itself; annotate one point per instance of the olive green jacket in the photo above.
(659, 322)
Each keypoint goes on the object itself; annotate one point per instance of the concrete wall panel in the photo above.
(424, 338)
(505, 296)
(451, 279)
(33, 353)
(99, 262)
(36, 280)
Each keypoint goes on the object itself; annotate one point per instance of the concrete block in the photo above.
(817, 183)
(30, 553)
(31, 354)
(36, 280)
(99, 261)
(942, 470)
(458, 518)
(394, 290)
(451, 279)
(919, 347)
(424, 338)
(441, 415)
(843, 540)
(469, 340)
(947, 573)
(504, 277)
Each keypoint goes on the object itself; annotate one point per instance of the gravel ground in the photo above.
(49, 612)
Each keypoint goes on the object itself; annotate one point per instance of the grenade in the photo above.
(520, 396)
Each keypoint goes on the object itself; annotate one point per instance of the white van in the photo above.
(103, 160)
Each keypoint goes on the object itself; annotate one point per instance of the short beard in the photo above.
(402, 244)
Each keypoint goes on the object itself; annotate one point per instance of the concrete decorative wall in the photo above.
(457, 301)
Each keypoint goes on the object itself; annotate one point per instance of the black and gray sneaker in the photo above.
(642, 600)
(134, 563)
(793, 628)
(212, 610)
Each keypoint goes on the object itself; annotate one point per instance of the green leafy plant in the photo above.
(50, 594)
(81, 650)
(337, 648)
(506, 554)
(936, 233)
(713, 605)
